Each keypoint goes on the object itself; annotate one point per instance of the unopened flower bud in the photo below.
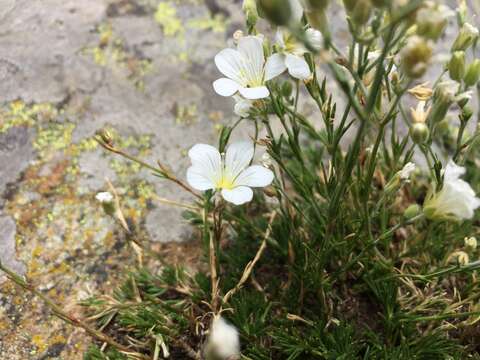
(443, 127)
(349, 4)
(471, 243)
(380, 3)
(467, 36)
(361, 12)
(277, 11)
(419, 133)
(415, 56)
(106, 199)
(432, 20)
(106, 136)
(472, 75)
(317, 4)
(315, 38)
(412, 211)
(251, 14)
(318, 19)
(456, 66)
(443, 98)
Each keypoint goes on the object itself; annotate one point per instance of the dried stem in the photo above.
(162, 171)
(249, 268)
(58, 312)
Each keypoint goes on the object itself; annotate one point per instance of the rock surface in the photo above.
(142, 68)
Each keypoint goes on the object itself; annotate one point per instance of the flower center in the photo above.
(225, 180)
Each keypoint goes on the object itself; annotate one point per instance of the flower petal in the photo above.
(239, 195)
(251, 48)
(199, 179)
(225, 87)
(275, 66)
(453, 171)
(297, 67)
(254, 93)
(229, 62)
(255, 176)
(207, 164)
(237, 157)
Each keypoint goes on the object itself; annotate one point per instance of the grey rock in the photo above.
(16, 151)
(7, 247)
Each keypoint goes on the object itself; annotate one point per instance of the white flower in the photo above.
(245, 69)
(242, 106)
(223, 340)
(104, 197)
(232, 175)
(406, 171)
(455, 200)
(290, 56)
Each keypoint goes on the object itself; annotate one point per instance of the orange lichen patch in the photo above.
(54, 179)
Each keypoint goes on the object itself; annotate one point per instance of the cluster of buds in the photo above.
(460, 71)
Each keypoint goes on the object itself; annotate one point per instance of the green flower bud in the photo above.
(361, 12)
(380, 3)
(432, 20)
(419, 133)
(349, 4)
(415, 56)
(250, 9)
(466, 37)
(412, 211)
(456, 66)
(443, 98)
(443, 127)
(318, 4)
(472, 75)
(318, 20)
(106, 136)
(277, 11)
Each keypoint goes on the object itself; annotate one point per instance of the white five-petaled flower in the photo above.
(407, 171)
(223, 340)
(232, 175)
(290, 56)
(245, 69)
(455, 200)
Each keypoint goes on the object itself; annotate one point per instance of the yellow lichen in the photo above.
(39, 342)
(166, 16)
(216, 24)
